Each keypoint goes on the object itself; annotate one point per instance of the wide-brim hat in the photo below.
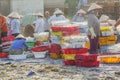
(39, 14)
(104, 18)
(81, 11)
(14, 15)
(58, 12)
(94, 6)
(20, 36)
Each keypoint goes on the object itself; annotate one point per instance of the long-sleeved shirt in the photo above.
(39, 27)
(15, 26)
(94, 23)
(47, 26)
(18, 44)
(78, 18)
(3, 24)
(56, 18)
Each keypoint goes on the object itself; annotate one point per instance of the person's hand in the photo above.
(93, 35)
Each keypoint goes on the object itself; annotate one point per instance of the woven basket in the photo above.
(29, 30)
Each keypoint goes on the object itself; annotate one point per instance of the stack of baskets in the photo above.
(55, 51)
(108, 38)
(40, 52)
(87, 60)
(30, 41)
(6, 43)
(41, 44)
(69, 54)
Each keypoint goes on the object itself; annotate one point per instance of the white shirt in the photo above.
(39, 27)
(56, 18)
(15, 26)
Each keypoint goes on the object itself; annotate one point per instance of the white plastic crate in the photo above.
(18, 57)
(40, 54)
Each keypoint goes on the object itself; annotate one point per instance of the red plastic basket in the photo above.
(69, 33)
(55, 46)
(87, 57)
(70, 28)
(3, 55)
(69, 62)
(56, 28)
(75, 50)
(8, 38)
(39, 49)
(55, 51)
(87, 64)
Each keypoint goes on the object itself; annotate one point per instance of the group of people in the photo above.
(43, 24)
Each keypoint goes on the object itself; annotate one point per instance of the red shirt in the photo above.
(3, 24)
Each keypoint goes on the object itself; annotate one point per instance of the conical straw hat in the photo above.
(81, 11)
(14, 15)
(39, 14)
(104, 18)
(20, 36)
(58, 12)
(94, 6)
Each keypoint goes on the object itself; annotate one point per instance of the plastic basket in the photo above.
(31, 44)
(8, 38)
(39, 49)
(40, 54)
(18, 57)
(55, 55)
(87, 57)
(69, 28)
(56, 34)
(3, 55)
(69, 62)
(110, 59)
(75, 50)
(87, 45)
(68, 56)
(56, 28)
(112, 38)
(87, 64)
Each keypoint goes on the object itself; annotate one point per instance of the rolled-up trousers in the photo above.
(94, 45)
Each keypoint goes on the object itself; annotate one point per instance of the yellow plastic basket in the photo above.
(41, 39)
(56, 34)
(110, 59)
(68, 56)
(106, 28)
(55, 56)
(87, 45)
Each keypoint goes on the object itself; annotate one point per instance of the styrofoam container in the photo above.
(40, 54)
(18, 57)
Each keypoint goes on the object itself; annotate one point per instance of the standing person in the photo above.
(3, 26)
(58, 16)
(94, 27)
(39, 26)
(3, 29)
(79, 16)
(19, 45)
(82, 4)
(47, 26)
(15, 24)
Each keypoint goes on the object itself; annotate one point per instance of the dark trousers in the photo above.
(94, 45)
(3, 34)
